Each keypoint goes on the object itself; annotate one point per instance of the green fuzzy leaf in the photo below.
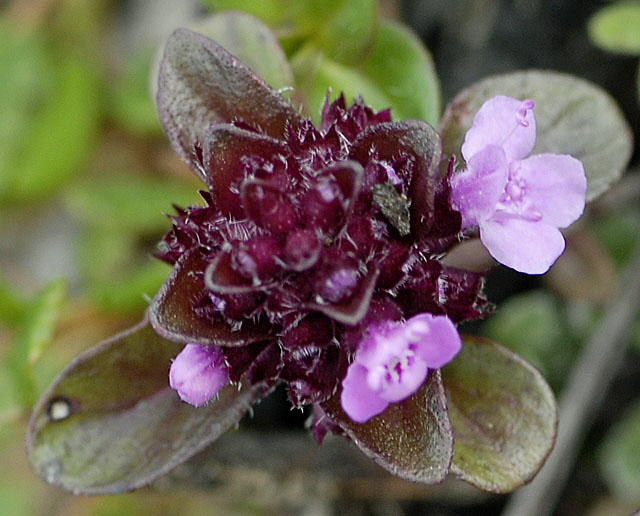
(110, 422)
(503, 415)
(411, 439)
(341, 29)
(396, 53)
(616, 28)
(34, 335)
(573, 117)
(618, 457)
(403, 68)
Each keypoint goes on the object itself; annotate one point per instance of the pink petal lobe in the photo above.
(476, 190)
(500, 121)
(556, 186)
(357, 399)
(523, 245)
(441, 343)
(198, 373)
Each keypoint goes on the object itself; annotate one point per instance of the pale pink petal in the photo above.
(523, 245)
(498, 123)
(441, 344)
(358, 401)
(476, 190)
(198, 373)
(556, 186)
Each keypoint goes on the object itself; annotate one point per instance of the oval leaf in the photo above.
(200, 84)
(110, 423)
(411, 439)
(396, 52)
(503, 415)
(617, 28)
(573, 117)
(250, 41)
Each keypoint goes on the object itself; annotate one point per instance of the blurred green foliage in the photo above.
(344, 46)
(616, 28)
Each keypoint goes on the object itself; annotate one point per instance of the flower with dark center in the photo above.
(312, 242)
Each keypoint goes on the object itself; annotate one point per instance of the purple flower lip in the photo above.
(393, 360)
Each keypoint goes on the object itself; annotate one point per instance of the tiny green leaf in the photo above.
(503, 416)
(110, 423)
(573, 117)
(411, 439)
(616, 28)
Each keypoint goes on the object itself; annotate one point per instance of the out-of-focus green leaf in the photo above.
(619, 232)
(573, 117)
(12, 306)
(531, 324)
(411, 439)
(403, 68)
(397, 73)
(316, 74)
(120, 275)
(110, 423)
(272, 12)
(342, 29)
(617, 28)
(129, 203)
(131, 104)
(33, 336)
(248, 39)
(27, 77)
(618, 457)
(503, 415)
(61, 132)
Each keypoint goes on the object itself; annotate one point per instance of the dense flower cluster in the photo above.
(312, 245)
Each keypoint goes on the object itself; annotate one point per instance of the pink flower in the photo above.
(517, 202)
(393, 360)
(198, 373)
